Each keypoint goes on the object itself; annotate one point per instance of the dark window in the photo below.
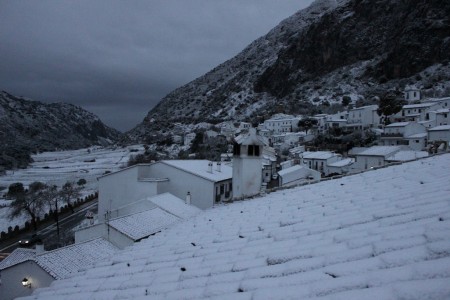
(236, 149)
(250, 150)
(222, 189)
(256, 150)
(253, 150)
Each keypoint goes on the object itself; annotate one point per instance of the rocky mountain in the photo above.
(310, 61)
(30, 126)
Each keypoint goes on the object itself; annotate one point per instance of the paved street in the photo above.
(49, 234)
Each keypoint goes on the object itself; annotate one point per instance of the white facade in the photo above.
(412, 93)
(363, 117)
(439, 133)
(11, 280)
(279, 125)
(400, 133)
(417, 112)
(297, 175)
(373, 157)
(319, 160)
(247, 165)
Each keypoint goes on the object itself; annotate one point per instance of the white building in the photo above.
(363, 117)
(404, 133)
(297, 174)
(342, 166)
(207, 184)
(439, 134)
(247, 164)
(367, 158)
(41, 268)
(412, 93)
(319, 160)
(279, 124)
(417, 112)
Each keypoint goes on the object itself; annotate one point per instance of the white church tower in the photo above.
(247, 164)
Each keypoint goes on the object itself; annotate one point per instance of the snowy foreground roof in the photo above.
(381, 234)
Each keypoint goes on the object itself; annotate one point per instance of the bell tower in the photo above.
(247, 164)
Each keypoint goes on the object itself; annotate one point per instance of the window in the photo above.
(222, 189)
(236, 149)
(253, 150)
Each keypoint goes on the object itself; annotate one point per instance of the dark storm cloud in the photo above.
(119, 58)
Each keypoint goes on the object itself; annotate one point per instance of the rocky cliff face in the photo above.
(30, 126)
(313, 59)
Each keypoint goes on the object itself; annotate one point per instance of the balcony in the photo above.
(392, 135)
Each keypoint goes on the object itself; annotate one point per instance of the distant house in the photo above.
(367, 158)
(342, 166)
(364, 117)
(279, 124)
(417, 112)
(404, 133)
(41, 268)
(406, 155)
(319, 160)
(439, 134)
(297, 174)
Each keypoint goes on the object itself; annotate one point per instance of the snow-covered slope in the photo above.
(382, 234)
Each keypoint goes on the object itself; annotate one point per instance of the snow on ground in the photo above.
(62, 166)
(382, 234)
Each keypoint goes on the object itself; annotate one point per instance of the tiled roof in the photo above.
(175, 205)
(17, 256)
(379, 150)
(382, 234)
(60, 263)
(143, 224)
(318, 155)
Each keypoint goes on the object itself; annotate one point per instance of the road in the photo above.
(48, 233)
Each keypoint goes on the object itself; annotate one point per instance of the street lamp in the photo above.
(26, 283)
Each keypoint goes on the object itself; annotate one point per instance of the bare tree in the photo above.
(69, 192)
(30, 202)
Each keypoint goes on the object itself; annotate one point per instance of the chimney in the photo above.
(39, 248)
(188, 198)
(219, 164)
(210, 166)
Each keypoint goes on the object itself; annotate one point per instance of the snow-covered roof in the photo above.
(342, 163)
(382, 234)
(294, 173)
(318, 155)
(175, 206)
(17, 256)
(62, 262)
(420, 105)
(380, 151)
(398, 124)
(440, 128)
(417, 136)
(372, 107)
(141, 225)
(250, 138)
(200, 168)
(406, 155)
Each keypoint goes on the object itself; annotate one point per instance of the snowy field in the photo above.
(57, 168)
(383, 234)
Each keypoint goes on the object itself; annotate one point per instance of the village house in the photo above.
(340, 167)
(25, 270)
(319, 160)
(375, 156)
(282, 123)
(205, 183)
(404, 133)
(416, 112)
(443, 102)
(440, 135)
(362, 118)
(297, 174)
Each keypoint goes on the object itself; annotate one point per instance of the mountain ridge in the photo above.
(298, 67)
(28, 126)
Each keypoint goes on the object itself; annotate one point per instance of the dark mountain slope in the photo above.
(31, 126)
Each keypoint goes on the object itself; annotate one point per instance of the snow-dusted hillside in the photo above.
(313, 59)
(382, 234)
(58, 167)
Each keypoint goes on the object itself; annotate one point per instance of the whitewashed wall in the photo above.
(247, 175)
(11, 286)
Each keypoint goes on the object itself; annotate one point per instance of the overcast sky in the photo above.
(117, 59)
